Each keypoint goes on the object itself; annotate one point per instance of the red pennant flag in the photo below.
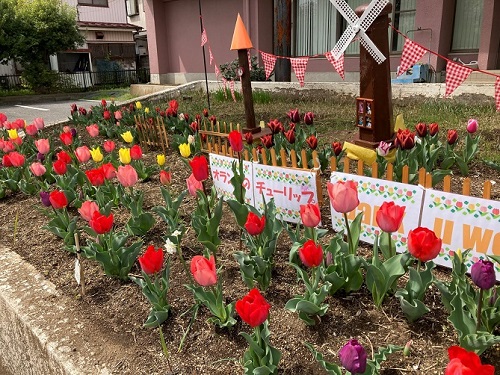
(455, 75)
(299, 65)
(231, 87)
(412, 52)
(204, 38)
(269, 62)
(337, 64)
(497, 94)
(210, 54)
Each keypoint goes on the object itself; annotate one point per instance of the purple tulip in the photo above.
(353, 357)
(73, 132)
(483, 274)
(44, 196)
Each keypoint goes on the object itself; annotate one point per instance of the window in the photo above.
(467, 25)
(315, 27)
(132, 7)
(403, 19)
(95, 3)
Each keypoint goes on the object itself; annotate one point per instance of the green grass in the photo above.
(335, 113)
(117, 94)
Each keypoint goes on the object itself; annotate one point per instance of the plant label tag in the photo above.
(77, 271)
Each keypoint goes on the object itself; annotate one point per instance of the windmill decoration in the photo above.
(374, 106)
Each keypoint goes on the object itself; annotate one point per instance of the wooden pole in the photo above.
(246, 86)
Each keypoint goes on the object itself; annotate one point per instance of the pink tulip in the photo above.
(42, 145)
(118, 115)
(39, 123)
(193, 185)
(82, 154)
(127, 175)
(203, 270)
(109, 146)
(87, 210)
(472, 126)
(109, 171)
(93, 130)
(343, 196)
(37, 169)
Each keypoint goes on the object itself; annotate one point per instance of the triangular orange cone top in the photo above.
(241, 40)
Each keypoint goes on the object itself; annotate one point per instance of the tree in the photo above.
(32, 30)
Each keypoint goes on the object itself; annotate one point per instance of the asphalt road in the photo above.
(51, 111)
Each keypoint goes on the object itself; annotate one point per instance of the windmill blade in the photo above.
(345, 10)
(372, 11)
(344, 42)
(371, 47)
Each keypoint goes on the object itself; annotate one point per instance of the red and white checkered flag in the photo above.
(204, 38)
(210, 54)
(217, 71)
(231, 87)
(299, 65)
(412, 52)
(269, 62)
(337, 64)
(249, 60)
(224, 82)
(455, 75)
(497, 94)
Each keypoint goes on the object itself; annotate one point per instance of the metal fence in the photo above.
(82, 80)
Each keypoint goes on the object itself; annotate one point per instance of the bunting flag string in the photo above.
(211, 55)
(231, 87)
(269, 62)
(412, 52)
(337, 64)
(497, 94)
(455, 75)
(299, 65)
(204, 38)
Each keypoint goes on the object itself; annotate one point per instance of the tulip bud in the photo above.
(407, 348)
(472, 126)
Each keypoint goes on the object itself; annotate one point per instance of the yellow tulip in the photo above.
(146, 110)
(127, 136)
(160, 159)
(138, 105)
(185, 150)
(96, 154)
(124, 154)
(13, 133)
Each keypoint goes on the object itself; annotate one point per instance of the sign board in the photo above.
(289, 187)
(463, 222)
(372, 193)
(222, 172)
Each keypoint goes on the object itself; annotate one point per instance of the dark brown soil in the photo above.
(118, 309)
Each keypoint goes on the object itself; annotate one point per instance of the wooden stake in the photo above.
(78, 256)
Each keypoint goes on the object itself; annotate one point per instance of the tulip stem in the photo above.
(164, 347)
(183, 261)
(392, 253)
(349, 237)
(479, 307)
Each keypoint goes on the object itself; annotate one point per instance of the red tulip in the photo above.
(236, 141)
(312, 142)
(390, 216)
(109, 171)
(310, 214)
(421, 129)
(193, 185)
(205, 112)
(194, 126)
(463, 362)
(423, 244)
(309, 118)
(6, 161)
(58, 199)
(267, 141)
(433, 128)
(405, 139)
(311, 254)
(87, 210)
(64, 157)
(152, 260)
(106, 115)
(37, 169)
(290, 136)
(199, 166)
(249, 138)
(136, 152)
(255, 225)
(212, 119)
(294, 115)
(203, 270)
(165, 177)
(104, 103)
(253, 308)
(100, 223)
(31, 129)
(452, 136)
(66, 138)
(95, 176)
(127, 175)
(343, 196)
(60, 167)
(109, 146)
(42, 145)
(337, 148)
(16, 159)
(275, 125)
(82, 154)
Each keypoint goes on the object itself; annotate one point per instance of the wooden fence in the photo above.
(151, 134)
(217, 142)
